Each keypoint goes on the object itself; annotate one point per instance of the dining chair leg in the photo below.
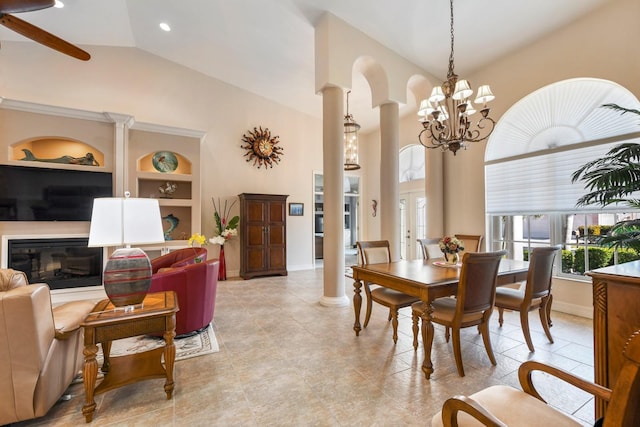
(549, 322)
(416, 329)
(390, 314)
(544, 319)
(500, 313)
(457, 353)
(487, 342)
(394, 323)
(368, 315)
(524, 322)
(447, 333)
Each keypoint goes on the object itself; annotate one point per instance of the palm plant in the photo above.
(613, 179)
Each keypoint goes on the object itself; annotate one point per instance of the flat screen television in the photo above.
(45, 194)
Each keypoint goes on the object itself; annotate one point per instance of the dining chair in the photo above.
(430, 248)
(377, 252)
(471, 242)
(502, 405)
(535, 294)
(472, 305)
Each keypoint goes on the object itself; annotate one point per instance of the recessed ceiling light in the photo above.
(58, 4)
(165, 26)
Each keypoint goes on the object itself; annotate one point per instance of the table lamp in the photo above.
(126, 221)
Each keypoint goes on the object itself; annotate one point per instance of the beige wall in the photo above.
(152, 90)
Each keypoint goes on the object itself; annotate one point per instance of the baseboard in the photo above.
(576, 310)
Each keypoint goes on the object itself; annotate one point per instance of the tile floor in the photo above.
(285, 360)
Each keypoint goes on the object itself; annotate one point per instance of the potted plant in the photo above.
(613, 179)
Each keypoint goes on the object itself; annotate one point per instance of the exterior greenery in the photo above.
(613, 179)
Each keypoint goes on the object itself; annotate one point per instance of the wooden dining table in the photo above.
(427, 280)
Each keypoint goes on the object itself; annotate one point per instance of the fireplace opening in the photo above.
(59, 262)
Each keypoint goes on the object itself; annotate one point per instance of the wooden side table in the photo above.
(106, 323)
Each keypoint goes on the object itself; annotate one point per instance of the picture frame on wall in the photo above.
(296, 209)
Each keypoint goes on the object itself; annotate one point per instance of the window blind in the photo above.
(542, 184)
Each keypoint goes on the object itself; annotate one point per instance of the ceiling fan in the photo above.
(35, 33)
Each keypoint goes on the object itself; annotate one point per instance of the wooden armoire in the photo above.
(263, 235)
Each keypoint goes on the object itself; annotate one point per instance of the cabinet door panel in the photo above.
(256, 260)
(276, 235)
(255, 212)
(277, 258)
(276, 212)
(255, 235)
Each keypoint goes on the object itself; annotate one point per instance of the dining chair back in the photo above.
(471, 242)
(472, 305)
(536, 293)
(378, 252)
(430, 248)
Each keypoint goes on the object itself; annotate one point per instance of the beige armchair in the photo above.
(40, 347)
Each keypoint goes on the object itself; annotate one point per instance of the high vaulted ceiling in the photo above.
(267, 46)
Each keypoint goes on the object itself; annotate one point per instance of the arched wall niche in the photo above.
(56, 149)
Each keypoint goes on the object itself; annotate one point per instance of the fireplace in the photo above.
(62, 263)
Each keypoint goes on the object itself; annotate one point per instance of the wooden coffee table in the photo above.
(106, 323)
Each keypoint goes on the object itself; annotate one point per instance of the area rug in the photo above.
(196, 345)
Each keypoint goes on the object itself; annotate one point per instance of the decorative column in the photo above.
(389, 173)
(333, 197)
(434, 192)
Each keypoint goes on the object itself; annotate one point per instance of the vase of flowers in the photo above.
(225, 230)
(451, 247)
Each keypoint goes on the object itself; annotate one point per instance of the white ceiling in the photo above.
(267, 46)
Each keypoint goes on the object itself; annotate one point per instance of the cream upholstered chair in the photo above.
(471, 242)
(502, 405)
(430, 248)
(377, 252)
(472, 305)
(535, 294)
(40, 347)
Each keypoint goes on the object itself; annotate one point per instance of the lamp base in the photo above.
(127, 276)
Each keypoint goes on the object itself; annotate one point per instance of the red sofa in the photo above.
(195, 285)
(178, 258)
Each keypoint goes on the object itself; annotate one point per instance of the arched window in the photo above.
(411, 163)
(536, 146)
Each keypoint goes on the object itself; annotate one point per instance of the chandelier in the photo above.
(446, 114)
(350, 141)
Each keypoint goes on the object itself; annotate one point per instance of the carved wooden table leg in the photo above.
(357, 305)
(106, 353)
(427, 339)
(169, 357)
(89, 375)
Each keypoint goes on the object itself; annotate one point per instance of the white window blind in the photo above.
(541, 184)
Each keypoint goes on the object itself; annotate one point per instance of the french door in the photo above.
(412, 224)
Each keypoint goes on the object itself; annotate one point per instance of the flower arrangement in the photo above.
(225, 229)
(197, 239)
(451, 245)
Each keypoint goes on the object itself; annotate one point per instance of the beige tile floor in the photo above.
(285, 360)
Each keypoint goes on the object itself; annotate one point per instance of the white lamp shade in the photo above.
(469, 110)
(462, 90)
(425, 108)
(484, 95)
(119, 221)
(437, 95)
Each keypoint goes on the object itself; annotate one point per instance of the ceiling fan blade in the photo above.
(18, 6)
(43, 37)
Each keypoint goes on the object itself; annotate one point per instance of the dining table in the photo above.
(427, 280)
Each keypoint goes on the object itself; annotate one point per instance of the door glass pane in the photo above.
(403, 228)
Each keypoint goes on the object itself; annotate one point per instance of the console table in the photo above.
(616, 315)
(106, 323)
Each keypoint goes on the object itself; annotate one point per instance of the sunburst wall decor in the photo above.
(261, 147)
